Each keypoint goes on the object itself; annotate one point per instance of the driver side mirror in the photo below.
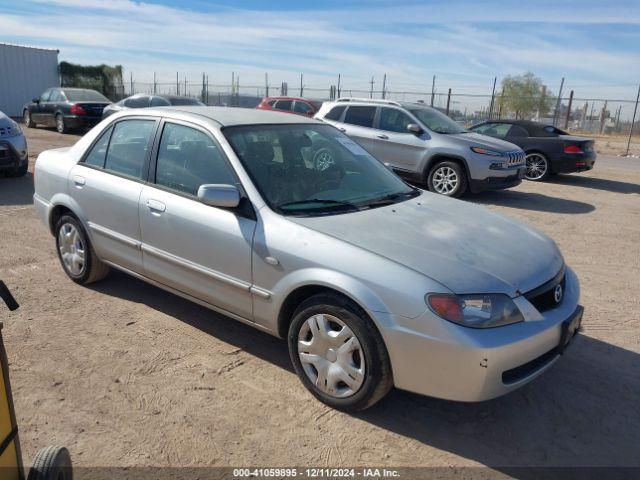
(216, 195)
(414, 128)
(36, 100)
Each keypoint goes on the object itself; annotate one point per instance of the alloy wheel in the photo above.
(60, 123)
(323, 159)
(331, 356)
(27, 118)
(445, 180)
(72, 250)
(536, 166)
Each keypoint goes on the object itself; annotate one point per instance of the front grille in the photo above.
(514, 157)
(523, 371)
(543, 297)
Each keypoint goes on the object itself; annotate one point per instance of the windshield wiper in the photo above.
(323, 201)
(392, 197)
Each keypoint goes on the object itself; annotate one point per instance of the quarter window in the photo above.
(99, 151)
(362, 116)
(188, 158)
(394, 120)
(128, 147)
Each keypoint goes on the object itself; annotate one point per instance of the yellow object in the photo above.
(9, 460)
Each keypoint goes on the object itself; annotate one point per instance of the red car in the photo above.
(299, 106)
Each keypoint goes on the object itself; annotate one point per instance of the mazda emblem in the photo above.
(557, 293)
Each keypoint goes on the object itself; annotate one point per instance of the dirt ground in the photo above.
(124, 374)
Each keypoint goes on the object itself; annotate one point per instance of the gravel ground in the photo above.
(125, 374)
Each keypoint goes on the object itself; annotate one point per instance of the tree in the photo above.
(524, 95)
(104, 78)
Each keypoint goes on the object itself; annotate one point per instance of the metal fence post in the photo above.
(448, 101)
(433, 89)
(603, 116)
(633, 121)
(266, 84)
(384, 85)
(493, 93)
(566, 121)
(556, 112)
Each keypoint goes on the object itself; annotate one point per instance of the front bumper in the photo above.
(498, 180)
(573, 162)
(13, 152)
(431, 356)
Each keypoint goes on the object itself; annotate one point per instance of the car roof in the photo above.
(234, 116)
(300, 99)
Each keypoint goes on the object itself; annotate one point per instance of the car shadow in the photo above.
(16, 190)
(583, 412)
(532, 201)
(596, 183)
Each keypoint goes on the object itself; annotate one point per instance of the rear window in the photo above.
(360, 115)
(335, 113)
(185, 101)
(85, 96)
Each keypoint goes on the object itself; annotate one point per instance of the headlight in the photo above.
(16, 128)
(475, 311)
(486, 151)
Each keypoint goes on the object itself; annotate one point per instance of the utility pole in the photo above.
(371, 92)
(633, 121)
(501, 102)
(155, 84)
(177, 84)
(301, 86)
(384, 85)
(448, 101)
(131, 82)
(433, 89)
(338, 86)
(557, 110)
(493, 94)
(566, 121)
(266, 84)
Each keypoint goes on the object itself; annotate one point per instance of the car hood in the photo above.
(4, 120)
(477, 140)
(465, 247)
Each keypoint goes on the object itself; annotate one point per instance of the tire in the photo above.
(81, 264)
(537, 167)
(51, 463)
(447, 178)
(61, 125)
(361, 349)
(28, 121)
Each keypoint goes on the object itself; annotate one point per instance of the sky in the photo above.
(594, 44)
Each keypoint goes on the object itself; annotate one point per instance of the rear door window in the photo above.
(128, 147)
(360, 115)
(518, 131)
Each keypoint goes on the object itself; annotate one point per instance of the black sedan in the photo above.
(66, 109)
(141, 100)
(548, 149)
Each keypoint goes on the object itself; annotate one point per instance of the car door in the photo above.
(200, 250)
(107, 184)
(519, 136)
(394, 143)
(358, 125)
(38, 107)
(51, 106)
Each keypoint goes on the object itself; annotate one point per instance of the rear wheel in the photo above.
(61, 125)
(537, 167)
(51, 463)
(28, 121)
(338, 353)
(447, 178)
(76, 255)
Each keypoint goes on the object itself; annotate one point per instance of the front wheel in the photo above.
(51, 463)
(338, 353)
(61, 125)
(537, 167)
(76, 255)
(28, 121)
(447, 178)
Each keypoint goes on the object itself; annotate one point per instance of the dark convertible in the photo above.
(66, 109)
(548, 149)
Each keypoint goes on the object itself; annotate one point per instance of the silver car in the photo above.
(424, 145)
(14, 157)
(372, 282)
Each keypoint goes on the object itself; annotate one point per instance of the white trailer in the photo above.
(25, 72)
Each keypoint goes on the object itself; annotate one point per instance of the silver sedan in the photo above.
(289, 226)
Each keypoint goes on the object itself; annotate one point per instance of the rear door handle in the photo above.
(383, 137)
(156, 205)
(342, 129)
(79, 181)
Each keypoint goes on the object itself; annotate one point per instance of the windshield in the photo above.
(85, 96)
(314, 169)
(436, 121)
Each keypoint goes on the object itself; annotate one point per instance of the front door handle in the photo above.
(342, 129)
(79, 180)
(156, 205)
(383, 136)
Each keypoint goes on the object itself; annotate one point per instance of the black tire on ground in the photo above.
(378, 378)
(51, 463)
(94, 269)
(542, 168)
(460, 178)
(61, 125)
(28, 121)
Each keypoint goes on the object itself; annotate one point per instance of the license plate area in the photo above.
(570, 328)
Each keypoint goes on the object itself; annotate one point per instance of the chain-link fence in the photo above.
(612, 119)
